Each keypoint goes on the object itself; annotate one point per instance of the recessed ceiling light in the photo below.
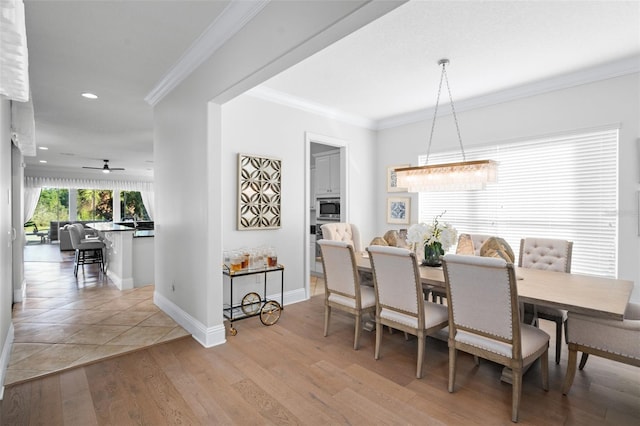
(43, 161)
(89, 95)
(44, 148)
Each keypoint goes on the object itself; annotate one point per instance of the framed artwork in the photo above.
(398, 210)
(392, 181)
(259, 192)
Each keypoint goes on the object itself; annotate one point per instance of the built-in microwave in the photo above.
(328, 209)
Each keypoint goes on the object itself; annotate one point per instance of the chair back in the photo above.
(75, 234)
(470, 244)
(341, 231)
(482, 298)
(397, 283)
(340, 269)
(545, 253)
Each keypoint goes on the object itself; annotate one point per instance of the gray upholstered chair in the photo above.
(484, 320)
(87, 251)
(607, 338)
(400, 302)
(342, 285)
(552, 255)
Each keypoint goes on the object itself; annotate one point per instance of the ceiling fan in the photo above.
(105, 168)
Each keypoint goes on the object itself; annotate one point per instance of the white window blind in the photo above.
(558, 187)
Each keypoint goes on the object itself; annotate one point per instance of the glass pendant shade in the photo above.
(466, 175)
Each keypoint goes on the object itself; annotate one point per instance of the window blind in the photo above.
(557, 187)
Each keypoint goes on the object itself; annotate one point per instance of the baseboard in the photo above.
(290, 297)
(206, 336)
(216, 335)
(122, 284)
(4, 357)
(20, 293)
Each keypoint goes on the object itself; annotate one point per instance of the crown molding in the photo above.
(614, 69)
(275, 96)
(588, 75)
(232, 19)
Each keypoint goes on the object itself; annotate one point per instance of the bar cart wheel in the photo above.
(270, 312)
(233, 331)
(251, 303)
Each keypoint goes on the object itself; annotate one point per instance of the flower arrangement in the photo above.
(436, 238)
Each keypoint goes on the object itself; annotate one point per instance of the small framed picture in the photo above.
(398, 210)
(392, 181)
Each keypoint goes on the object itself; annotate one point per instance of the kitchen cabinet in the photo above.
(327, 173)
(315, 265)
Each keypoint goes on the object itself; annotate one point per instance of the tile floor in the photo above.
(65, 322)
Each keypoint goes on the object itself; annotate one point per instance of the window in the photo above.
(95, 204)
(53, 205)
(131, 206)
(558, 187)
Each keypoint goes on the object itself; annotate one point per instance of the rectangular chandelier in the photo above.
(465, 175)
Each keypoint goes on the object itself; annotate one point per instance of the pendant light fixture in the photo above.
(459, 176)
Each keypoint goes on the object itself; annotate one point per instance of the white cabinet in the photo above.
(327, 173)
(315, 266)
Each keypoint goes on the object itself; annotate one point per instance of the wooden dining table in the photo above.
(585, 294)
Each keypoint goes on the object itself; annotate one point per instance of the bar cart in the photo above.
(253, 304)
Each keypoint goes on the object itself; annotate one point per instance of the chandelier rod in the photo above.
(443, 75)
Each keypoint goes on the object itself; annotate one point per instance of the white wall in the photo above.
(189, 163)
(257, 127)
(6, 287)
(613, 101)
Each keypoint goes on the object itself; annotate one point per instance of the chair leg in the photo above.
(516, 394)
(571, 369)
(356, 339)
(327, 314)
(544, 369)
(76, 260)
(376, 353)
(452, 367)
(583, 360)
(558, 339)
(420, 355)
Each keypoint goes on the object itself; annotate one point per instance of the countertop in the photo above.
(144, 233)
(108, 227)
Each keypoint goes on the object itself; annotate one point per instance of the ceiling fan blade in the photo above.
(95, 168)
(116, 168)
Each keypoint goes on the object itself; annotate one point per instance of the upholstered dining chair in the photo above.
(400, 302)
(87, 251)
(349, 233)
(484, 320)
(607, 338)
(468, 244)
(342, 285)
(341, 231)
(553, 255)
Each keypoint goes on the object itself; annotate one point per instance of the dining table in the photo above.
(584, 294)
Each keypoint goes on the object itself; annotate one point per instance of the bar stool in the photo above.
(87, 251)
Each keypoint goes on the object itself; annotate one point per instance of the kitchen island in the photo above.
(129, 254)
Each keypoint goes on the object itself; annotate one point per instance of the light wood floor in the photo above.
(289, 373)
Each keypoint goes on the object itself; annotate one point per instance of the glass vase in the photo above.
(432, 253)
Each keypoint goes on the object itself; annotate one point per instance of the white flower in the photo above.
(436, 232)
